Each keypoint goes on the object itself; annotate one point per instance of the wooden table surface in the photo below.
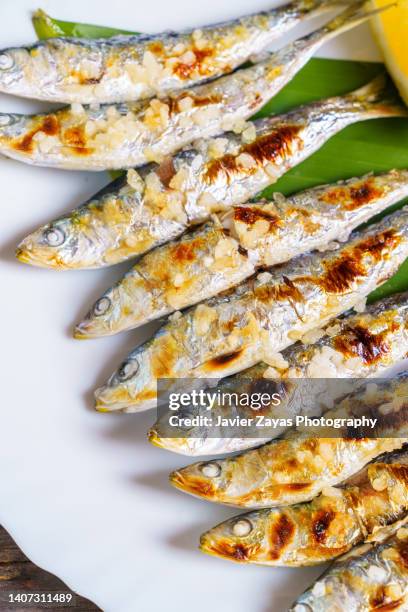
(19, 575)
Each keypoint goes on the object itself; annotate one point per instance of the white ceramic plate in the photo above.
(84, 494)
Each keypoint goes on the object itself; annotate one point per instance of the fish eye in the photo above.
(242, 528)
(127, 370)
(101, 306)
(54, 236)
(6, 61)
(211, 469)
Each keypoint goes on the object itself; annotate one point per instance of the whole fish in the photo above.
(132, 134)
(125, 221)
(355, 346)
(299, 466)
(320, 530)
(125, 68)
(262, 316)
(226, 251)
(370, 577)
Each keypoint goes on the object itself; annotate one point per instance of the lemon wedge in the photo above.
(390, 29)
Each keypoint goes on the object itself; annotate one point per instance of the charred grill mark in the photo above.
(267, 148)
(380, 601)
(281, 535)
(286, 290)
(174, 106)
(250, 215)
(75, 138)
(351, 198)
(186, 251)
(184, 71)
(364, 194)
(156, 47)
(297, 486)
(223, 360)
(226, 165)
(240, 553)
(358, 341)
(242, 251)
(205, 100)
(341, 273)
(49, 126)
(272, 146)
(321, 525)
(377, 245)
(230, 550)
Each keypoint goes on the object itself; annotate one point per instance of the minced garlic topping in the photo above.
(275, 360)
(135, 181)
(203, 317)
(312, 336)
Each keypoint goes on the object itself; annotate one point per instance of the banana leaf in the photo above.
(47, 27)
(370, 146)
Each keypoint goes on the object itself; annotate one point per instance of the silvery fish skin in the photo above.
(133, 134)
(319, 530)
(223, 253)
(124, 221)
(299, 466)
(354, 346)
(262, 316)
(125, 68)
(370, 577)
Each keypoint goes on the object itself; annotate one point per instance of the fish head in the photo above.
(66, 243)
(133, 387)
(103, 316)
(13, 65)
(243, 539)
(126, 305)
(205, 479)
(54, 245)
(164, 358)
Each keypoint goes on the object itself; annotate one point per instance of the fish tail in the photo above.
(355, 14)
(318, 6)
(378, 98)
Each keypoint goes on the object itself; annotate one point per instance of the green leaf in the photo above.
(369, 146)
(48, 27)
